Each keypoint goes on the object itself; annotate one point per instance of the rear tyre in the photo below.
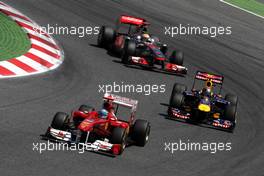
(141, 132)
(60, 121)
(106, 36)
(177, 97)
(85, 108)
(177, 57)
(119, 137)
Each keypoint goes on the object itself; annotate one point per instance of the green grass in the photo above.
(14, 41)
(251, 5)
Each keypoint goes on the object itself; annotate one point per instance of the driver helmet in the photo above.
(103, 114)
(207, 92)
(146, 36)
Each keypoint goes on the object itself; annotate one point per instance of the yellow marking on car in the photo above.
(204, 108)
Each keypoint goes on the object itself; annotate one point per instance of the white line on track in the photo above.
(223, 1)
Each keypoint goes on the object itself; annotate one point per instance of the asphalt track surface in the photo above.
(28, 104)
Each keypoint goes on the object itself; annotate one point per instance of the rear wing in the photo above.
(204, 76)
(132, 20)
(122, 101)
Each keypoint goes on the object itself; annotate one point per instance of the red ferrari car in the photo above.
(103, 130)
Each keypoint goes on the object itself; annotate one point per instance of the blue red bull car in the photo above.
(136, 46)
(204, 106)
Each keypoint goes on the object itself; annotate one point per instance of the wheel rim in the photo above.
(123, 145)
(147, 136)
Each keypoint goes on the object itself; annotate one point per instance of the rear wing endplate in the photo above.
(122, 101)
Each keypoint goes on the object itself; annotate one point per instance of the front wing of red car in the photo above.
(99, 146)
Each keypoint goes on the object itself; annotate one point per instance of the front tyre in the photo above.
(119, 136)
(233, 99)
(60, 121)
(230, 113)
(141, 132)
(130, 48)
(177, 97)
(126, 59)
(179, 88)
(177, 57)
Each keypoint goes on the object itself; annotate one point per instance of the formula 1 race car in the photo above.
(101, 131)
(205, 106)
(135, 45)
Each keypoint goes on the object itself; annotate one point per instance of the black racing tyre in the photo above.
(180, 88)
(141, 132)
(233, 99)
(176, 100)
(118, 135)
(130, 48)
(105, 36)
(85, 108)
(177, 96)
(177, 57)
(60, 121)
(230, 113)
(126, 59)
